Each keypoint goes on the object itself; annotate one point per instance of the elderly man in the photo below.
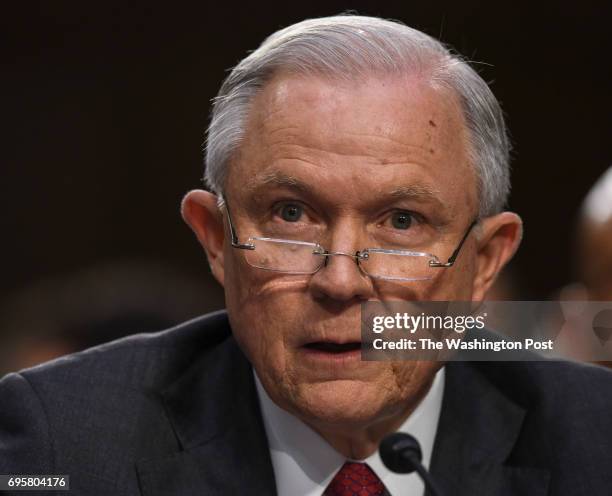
(335, 149)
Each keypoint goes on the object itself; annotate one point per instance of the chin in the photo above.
(342, 402)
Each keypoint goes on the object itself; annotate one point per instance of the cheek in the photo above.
(451, 284)
(263, 310)
(411, 380)
(409, 375)
(462, 283)
(455, 283)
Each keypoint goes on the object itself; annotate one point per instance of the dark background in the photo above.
(104, 109)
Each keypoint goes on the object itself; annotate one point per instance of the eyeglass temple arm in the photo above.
(233, 234)
(450, 262)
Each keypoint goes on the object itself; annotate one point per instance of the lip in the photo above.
(320, 354)
(309, 338)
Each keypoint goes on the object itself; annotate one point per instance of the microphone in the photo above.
(401, 453)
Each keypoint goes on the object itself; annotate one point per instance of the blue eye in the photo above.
(401, 220)
(291, 212)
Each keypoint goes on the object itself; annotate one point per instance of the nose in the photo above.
(341, 279)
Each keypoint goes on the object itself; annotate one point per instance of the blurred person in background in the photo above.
(592, 266)
(593, 251)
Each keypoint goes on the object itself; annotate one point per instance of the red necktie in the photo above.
(355, 479)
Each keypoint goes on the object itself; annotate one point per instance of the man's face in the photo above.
(381, 163)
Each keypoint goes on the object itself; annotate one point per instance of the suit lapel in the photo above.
(477, 431)
(214, 411)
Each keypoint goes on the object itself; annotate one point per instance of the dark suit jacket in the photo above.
(176, 413)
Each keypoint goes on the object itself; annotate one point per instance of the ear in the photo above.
(200, 211)
(498, 238)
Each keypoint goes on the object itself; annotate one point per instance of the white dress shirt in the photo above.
(304, 463)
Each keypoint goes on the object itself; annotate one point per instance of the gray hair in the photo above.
(348, 47)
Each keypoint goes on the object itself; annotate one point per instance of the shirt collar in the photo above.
(304, 463)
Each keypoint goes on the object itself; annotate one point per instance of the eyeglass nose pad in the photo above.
(357, 256)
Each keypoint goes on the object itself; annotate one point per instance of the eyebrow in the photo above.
(277, 178)
(417, 192)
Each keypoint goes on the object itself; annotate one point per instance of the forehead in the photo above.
(356, 136)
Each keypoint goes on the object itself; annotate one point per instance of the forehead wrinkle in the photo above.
(387, 138)
(275, 129)
(318, 156)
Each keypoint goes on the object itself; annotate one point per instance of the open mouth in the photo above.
(336, 348)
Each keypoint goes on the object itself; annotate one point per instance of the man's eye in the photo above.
(291, 212)
(401, 220)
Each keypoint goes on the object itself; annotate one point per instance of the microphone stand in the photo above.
(401, 453)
